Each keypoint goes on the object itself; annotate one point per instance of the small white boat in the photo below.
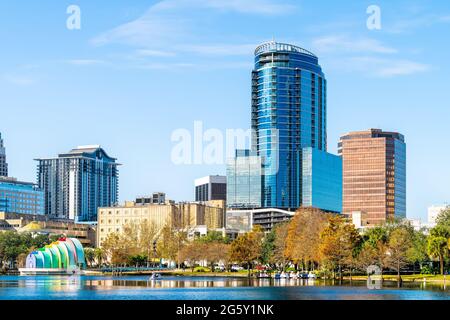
(155, 276)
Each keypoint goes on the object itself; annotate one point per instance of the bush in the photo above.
(201, 269)
(324, 274)
(427, 270)
(290, 269)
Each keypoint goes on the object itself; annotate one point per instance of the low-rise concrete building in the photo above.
(185, 215)
(39, 224)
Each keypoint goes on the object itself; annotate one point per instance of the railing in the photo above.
(276, 46)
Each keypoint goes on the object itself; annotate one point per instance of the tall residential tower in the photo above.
(374, 174)
(288, 114)
(289, 136)
(3, 164)
(77, 183)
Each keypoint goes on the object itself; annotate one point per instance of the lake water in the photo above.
(204, 288)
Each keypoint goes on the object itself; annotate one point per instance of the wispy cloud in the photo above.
(154, 53)
(220, 49)
(85, 62)
(345, 44)
(367, 56)
(182, 25)
(413, 23)
(264, 7)
(19, 79)
(386, 68)
(165, 66)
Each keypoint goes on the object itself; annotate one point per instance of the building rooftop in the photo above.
(372, 133)
(15, 181)
(88, 151)
(273, 46)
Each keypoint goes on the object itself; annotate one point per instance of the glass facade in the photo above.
(400, 178)
(374, 174)
(211, 188)
(3, 164)
(244, 180)
(77, 183)
(288, 114)
(20, 197)
(322, 180)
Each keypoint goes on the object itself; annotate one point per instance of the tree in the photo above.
(438, 244)
(214, 236)
(216, 252)
(137, 260)
(192, 253)
(376, 238)
(418, 251)
(400, 242)
(147, 233)
(134, 240)
(12, 245)
(99, 255)
(338, 242)
(89, 255)
(170, 243)
(279, 245)
(303, 238)
(443, 217)
(246, 248)
(268, 247)
(116, 249)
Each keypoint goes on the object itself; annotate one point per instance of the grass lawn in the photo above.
(409, 277)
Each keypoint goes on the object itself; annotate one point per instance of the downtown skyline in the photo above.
(91, 91)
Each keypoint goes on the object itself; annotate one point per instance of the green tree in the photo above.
(438, 244)
(268, 247)
(376, 239)
(100, 256)
(137, 260)
(214, 236)
(13, 244)
(398, 246)
(89, 255)
(418, 251)
(443, 218)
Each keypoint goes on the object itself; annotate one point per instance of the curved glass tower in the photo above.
(288, 114)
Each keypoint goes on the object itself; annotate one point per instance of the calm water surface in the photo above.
(204, 288)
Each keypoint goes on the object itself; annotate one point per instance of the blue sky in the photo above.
(138, 70)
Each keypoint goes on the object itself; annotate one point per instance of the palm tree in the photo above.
(438, 246)
(89, 256)
(99, 255)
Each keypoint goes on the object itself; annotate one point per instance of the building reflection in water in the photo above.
(53, 283)
(76, 283)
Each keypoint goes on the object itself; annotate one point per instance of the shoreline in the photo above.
(438, 279)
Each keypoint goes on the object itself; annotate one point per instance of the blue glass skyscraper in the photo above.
(289, 137)
(288, 114)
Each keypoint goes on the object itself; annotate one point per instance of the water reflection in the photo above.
(168, 287)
